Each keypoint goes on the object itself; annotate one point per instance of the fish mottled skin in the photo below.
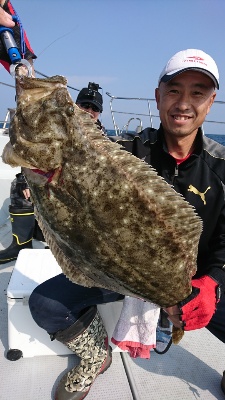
(107, 216)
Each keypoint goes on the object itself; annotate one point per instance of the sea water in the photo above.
(218, 138)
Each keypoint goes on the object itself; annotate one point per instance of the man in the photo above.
(21, 209)
(89, 99)
(195, 166)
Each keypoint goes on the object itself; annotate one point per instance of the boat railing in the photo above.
(150, 113)
(137, 115)
(137, 130)
(4, 125)
(145, 118)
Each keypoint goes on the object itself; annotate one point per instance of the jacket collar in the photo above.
(198, 140)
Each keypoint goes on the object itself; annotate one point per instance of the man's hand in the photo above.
(5, 18)
(26, 193)
(196, 310)
(174, 314)
(22, 187)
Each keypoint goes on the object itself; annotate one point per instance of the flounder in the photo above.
(109, 219)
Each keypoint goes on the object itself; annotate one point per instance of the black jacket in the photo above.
(201, 180)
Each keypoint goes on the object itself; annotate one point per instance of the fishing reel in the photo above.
(18, 66)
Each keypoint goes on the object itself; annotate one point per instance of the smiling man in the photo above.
(195, 166)
(184, 101)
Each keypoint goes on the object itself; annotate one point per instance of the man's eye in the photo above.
(173, 91)
(196, 93)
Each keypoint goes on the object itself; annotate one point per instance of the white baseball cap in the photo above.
(192, 59)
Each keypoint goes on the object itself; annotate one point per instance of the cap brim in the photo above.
(168, 77)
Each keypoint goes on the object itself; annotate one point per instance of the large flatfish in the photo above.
(107, 216)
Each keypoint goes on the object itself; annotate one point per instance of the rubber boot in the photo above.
(37, 234)
(223, 382)
(22, 221)
(88, 339)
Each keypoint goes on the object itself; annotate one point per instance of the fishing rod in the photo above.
(16, 60)
(41, 74)
(6, 84)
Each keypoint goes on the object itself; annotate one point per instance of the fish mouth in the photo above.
(26, 87)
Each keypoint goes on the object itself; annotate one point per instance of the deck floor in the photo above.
(190, 370)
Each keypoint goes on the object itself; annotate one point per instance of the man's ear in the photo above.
(157, 97)
(212, 99)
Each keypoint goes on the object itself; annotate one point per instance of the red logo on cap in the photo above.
(196, 59)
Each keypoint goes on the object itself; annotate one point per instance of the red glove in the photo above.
(198, 308)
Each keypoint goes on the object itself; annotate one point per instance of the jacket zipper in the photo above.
(175, 173)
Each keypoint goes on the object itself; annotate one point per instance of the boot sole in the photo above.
(6, 260)
(107, 362)
(105, 366)
(223, 383)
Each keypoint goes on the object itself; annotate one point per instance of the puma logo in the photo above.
(191, 188)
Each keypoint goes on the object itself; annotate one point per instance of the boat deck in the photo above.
(190, 370)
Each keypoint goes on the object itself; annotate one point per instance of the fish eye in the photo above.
(70, 110)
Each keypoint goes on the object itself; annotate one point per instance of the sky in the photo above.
(122, 45)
